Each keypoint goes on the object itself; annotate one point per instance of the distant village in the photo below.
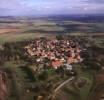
(55, 53)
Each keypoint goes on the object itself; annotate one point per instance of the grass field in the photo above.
(88, 76)
(14, 37)
(28, 29)
(19, 37)
(31, 30)
(72, 92)
(20, 82)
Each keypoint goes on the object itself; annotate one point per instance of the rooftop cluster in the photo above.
(56, 52)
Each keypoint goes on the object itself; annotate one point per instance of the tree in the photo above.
(59, 37)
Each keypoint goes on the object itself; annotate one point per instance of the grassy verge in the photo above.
(20, 82)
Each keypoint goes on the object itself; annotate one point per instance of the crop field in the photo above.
(24, 82)
(18, 37)
(27, 29)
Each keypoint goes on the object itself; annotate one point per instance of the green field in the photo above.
(28, 29)
(19, 37)
(23, 82)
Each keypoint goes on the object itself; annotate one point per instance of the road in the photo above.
(62, 84)
(52, 96)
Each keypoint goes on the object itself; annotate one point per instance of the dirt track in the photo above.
(3, 85)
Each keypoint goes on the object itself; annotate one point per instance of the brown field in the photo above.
(9, 30)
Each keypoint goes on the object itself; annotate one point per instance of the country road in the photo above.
(61, 85)
(51, 96)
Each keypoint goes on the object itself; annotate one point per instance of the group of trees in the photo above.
(12, 51)
(94, 58)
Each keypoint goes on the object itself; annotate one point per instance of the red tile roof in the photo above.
(56, 63)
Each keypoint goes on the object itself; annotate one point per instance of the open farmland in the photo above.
(45, 25)
(22, 29)
(31, 78)
(19, 37)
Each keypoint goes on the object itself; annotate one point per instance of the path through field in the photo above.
(3, 85)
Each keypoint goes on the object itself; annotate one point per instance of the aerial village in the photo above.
(36, 64)
(58, 53)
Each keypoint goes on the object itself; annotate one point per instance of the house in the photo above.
(56, 64)
(70, 60)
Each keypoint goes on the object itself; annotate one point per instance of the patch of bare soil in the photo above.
(3, 85)
(9, 30)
